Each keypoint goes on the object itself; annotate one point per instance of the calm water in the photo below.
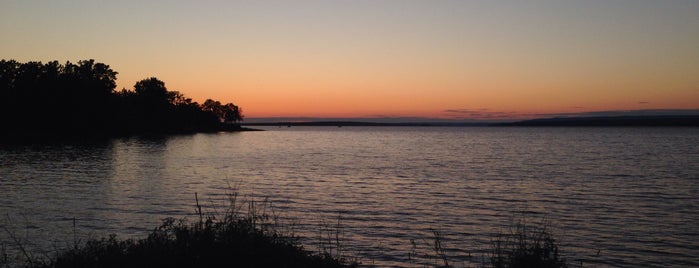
(624, 197)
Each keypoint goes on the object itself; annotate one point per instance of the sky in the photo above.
(381, 58)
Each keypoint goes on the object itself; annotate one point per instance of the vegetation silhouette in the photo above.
(54, 100)
(249, 233)
(246, 233)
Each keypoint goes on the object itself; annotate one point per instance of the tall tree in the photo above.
(232, 113)
(152, 90)
(228, 113)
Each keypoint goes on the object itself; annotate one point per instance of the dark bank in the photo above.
(53, 101)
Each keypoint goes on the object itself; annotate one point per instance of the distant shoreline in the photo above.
(611, 121)
(599, 121)
(19, 136)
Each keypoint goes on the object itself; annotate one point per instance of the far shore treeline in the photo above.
(73, 100)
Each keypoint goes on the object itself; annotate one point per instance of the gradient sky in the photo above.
(446, 59)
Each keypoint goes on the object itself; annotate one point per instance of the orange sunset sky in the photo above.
(381, 58)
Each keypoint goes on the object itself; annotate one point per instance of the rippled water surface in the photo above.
(625, 197)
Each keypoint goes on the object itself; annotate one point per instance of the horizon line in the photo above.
(419, 119)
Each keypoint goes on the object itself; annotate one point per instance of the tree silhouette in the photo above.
(232, 113)
(228, 113)
(151, 91)
(88, 77)
(71, 99)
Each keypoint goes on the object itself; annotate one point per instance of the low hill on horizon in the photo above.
(610, 118)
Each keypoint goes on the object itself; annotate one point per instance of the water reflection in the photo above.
(118, 186)
(630, 193)
(46, 186)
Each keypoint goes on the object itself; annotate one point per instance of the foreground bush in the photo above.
(226, 243)
(254, 239)
(526, 246)
(521, 246)
(235, 239)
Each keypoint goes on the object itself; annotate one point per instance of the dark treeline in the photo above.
(43, 100)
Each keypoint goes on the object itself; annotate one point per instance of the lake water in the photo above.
(614, 197)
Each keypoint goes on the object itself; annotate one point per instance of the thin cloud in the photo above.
(482, 114)
(652, 112)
